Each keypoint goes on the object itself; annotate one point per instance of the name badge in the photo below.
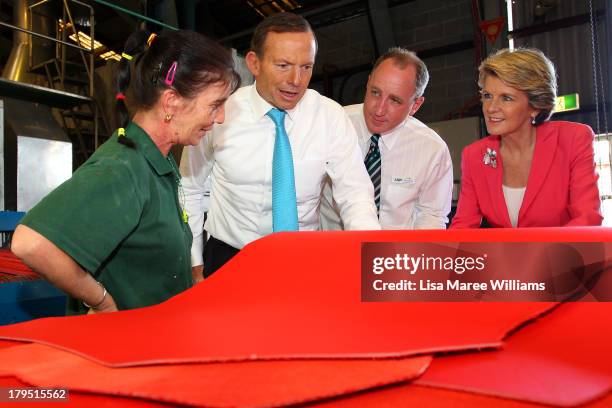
(403, 180)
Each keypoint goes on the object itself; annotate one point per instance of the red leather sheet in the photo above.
(563, 359)
(389, 397)
(252, 384)
(422, 396)
(291, 296)
(6, 344)
(79, 399)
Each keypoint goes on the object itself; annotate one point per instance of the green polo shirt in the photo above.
(119, 218)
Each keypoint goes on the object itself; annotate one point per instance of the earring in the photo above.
(168, 117)
(533, 121)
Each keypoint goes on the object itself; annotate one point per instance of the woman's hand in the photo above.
(53, 264)
(107, 305)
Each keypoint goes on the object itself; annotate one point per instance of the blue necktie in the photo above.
(372, 163)
(284, 203)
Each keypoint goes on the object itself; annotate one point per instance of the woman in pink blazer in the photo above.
(530, 172)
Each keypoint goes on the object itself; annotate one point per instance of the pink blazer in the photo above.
(561, 189)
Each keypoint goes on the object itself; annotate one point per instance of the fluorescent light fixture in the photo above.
(110, 55)
(84, 41)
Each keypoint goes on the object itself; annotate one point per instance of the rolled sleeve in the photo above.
(196, 164)
(434, 202)
(351, 186)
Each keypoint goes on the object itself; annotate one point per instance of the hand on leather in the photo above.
(197, 274)
(107, 305)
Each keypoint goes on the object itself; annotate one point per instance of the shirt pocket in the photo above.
(401, 194)
(308, 179)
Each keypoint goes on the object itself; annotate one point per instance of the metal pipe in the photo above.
(38, 4)
(553, 25)
(16, 67)
(80, 3)
(76, 33)
(2, 23)
(133, 13)
(478, 46)
(609, 71)
(92, 24)
(63, 52)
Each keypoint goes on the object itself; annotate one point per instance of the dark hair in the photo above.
(401, 58)
(200, 62)
(278, 23)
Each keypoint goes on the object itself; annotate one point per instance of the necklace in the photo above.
(181, 192)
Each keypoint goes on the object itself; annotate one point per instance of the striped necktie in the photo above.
(372, 163)
(284, 202)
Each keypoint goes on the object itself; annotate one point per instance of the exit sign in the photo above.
(567, 103)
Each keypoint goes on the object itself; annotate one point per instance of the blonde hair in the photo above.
(528, 70)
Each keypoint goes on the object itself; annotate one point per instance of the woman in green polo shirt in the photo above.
(115, 235)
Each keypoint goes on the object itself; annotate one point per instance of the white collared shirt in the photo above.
(416, 176)
(239, 155)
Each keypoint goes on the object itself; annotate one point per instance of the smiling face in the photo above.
(505, 108)
(284, 69)
(389, 96)
(194, 117)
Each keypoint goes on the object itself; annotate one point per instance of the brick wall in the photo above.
(345, 45)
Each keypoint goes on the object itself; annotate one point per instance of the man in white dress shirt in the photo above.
(416, 174)
(239, 152)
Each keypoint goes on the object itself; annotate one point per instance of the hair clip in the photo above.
(124, 140)
(126, 56)
(120, 96)
(155, 76)
(151, 39)
(170, 75)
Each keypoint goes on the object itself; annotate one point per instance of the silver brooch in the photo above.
(490, 158)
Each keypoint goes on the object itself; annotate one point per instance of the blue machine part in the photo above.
(10, 219)
(27, 300)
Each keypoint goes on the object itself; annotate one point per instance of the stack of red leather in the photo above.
(283, 323)
(12, 269)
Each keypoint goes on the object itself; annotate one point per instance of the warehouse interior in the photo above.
(41, 50)
(58, 60)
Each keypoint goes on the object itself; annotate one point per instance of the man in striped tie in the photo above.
(408, 163)
(373, 165)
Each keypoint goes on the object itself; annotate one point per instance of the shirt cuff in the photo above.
(196, 251)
